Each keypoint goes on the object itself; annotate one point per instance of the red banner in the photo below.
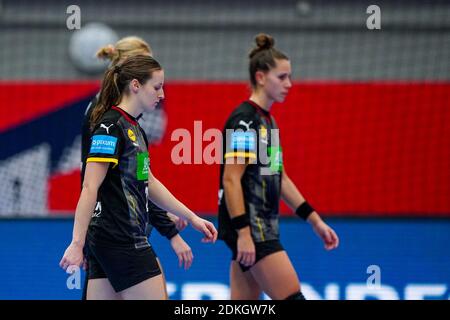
(354, 149)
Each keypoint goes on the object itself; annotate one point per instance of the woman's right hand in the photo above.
(246, 253)
(73, 256)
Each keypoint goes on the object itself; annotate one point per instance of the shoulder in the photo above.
(110, 117)
(90, 107)
(109, 123)
(244, 116)
(86, 131)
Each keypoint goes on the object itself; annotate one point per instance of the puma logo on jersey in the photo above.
(106, 128)
(245, 124)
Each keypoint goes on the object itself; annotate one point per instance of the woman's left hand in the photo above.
(327, 234)
(205, 227)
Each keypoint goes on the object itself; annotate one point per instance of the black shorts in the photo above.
(262, 249)
(124, 267)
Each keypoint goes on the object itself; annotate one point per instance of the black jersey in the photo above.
(251, 132)
(157, 217)
(120, 216)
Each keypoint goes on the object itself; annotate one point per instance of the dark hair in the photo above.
(262, 57)
(116, 80)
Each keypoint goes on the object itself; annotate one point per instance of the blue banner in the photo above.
(376, 259)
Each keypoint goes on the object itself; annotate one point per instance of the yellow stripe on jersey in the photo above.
(264, 190)
(261, 231)
(240, 154)
(115, 161)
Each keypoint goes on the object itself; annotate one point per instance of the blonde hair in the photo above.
(124, 48)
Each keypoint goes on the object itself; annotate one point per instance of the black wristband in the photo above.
(240, 222)
(171, 233)
(304, 210)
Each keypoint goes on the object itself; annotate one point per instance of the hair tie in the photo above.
(117, 69)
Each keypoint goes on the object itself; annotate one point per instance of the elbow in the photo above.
(285, 179)
(151, 179)
(89, 188)
(230, 181)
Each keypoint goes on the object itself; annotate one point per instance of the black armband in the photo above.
(159, 219)
(304, 210)
(172, 232)
(240, 222)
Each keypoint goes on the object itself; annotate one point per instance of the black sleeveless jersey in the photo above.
(157, 217)
(120, 216)
(252, 133)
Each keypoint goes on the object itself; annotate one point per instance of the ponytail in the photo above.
(116, 80)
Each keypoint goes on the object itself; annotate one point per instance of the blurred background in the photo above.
(365, 131)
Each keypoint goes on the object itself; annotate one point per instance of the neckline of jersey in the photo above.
(126, 115)
(260, 110)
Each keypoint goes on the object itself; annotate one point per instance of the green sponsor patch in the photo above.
(276, 159)
(142, 166)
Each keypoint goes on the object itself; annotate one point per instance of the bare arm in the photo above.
(293, 198)
(93, 178)
(234, 199)
(159, 194)
(290, 193)
(234, 196)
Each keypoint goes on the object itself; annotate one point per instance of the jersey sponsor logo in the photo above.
(103, 144)
(131, 135)
(142, 166)
(106, 127)
(263, 134)
(243, 141)
(245, 124)
(276, 159)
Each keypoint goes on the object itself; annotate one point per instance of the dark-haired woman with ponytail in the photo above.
(167, 224)
(252, 182)
(118, 179)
